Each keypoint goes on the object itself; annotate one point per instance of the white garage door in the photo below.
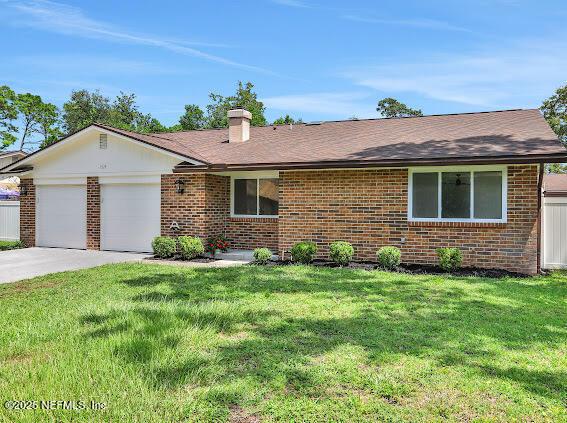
(130, 216)
(61, 216)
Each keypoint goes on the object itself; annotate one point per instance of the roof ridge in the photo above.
(352, 120)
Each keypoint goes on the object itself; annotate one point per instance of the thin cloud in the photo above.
(69, 20)
(292, 3)
(342, 105)
(421, 23)
(503, 79)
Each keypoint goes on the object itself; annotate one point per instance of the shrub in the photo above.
(341, 252)
(11, 245)
(303, 252)
(164, 246)
(215, 243)
(262, 255)
(190, 247)
(449, 258)
(389, 257)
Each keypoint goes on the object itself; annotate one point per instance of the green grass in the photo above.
(10, 245)
(158, 343)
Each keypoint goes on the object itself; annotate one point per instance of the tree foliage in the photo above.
(285, 120)
(8, 114)
(244, 97)
(391, 108)
(39, 121)
(85, 108)
(193, 118)
(555, 113)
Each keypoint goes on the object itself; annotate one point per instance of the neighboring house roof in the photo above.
(510, 136)
(555, 185)
(12, 153)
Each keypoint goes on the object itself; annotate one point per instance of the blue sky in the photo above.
(314, 59)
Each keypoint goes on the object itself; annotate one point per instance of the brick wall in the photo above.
(204, 210)
(27, 213)
(250, 233)
(369, 209)
(93, 213)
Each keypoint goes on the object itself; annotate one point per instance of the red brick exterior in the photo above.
(27, 213)
(250, 233)
(365, 207)
(93, 213)
(204, 210)
(369, 209)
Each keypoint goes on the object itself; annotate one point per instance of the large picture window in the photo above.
(458, 195)
(255, 197)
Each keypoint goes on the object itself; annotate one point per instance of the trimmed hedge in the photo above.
(190, 247)
(389, 257)
(341, 252)
(449, 258)
(164, 246)
(262, 255)
(303, 252)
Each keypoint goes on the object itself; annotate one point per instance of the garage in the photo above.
(61, 216)
(129, 216)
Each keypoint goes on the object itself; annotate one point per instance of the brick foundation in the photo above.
(27, 213)
(93, 213)
(368, 208)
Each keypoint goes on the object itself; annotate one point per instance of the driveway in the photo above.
(27, 263)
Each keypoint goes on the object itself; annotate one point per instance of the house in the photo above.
(7, 158)
(554, 221)
(468, 180)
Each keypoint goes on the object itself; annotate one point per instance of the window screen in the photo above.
(425, 195)
(488, 195)
(269, 197)
(245, 196)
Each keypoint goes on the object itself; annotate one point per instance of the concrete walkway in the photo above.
(28, 263)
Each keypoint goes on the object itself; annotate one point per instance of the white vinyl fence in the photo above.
(554, 232)
(9, 220)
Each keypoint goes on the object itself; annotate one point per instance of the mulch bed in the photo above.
(200, 259)
(415, 269)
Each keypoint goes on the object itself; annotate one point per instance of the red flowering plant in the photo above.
(216, 243)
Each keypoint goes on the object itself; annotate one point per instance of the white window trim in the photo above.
(439, 170)
(257, 176)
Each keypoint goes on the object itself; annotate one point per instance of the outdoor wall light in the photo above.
(179, 186)
(23, 190)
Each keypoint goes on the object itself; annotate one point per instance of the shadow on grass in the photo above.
(456, 321)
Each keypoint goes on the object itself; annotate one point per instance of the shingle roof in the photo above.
(501, 134)
(555, 183)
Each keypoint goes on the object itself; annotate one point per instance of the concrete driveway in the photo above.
(27, 263)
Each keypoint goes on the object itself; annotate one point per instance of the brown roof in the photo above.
(510, 136)
(506, 134)
(555, 184)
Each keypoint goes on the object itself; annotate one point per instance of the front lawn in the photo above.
(158, 343)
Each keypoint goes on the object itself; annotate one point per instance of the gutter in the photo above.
(534, 159)
(539, 219)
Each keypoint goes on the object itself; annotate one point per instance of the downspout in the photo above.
(539, 194)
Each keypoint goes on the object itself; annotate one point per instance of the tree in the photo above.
(49, 125)
(555, 113)
(390, 108)
(284, 120)
(85, 108)
(8, 114)
(244, 97)
(194, 118)
(38, 118)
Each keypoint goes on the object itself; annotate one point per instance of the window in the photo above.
(256, 197)
(458, 195)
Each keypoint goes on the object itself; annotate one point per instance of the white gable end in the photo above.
(83, 157)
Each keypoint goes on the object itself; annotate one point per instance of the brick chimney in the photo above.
(239, 125)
